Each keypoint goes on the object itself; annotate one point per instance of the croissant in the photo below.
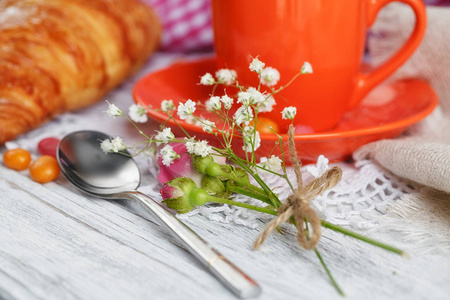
(61, 55)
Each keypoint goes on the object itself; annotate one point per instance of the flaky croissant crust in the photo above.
(59, 55)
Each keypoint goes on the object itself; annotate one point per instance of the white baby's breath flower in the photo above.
(167, 105)
(250, 97)
(208, 126)
(251, 138)
(244, 98)
(117, 144)
(198, 147)
(190, 145)
(114, 145)
(202, 148)
(106, 146)
(243, 114)
(208, 105)
(267, 104)
(227, 101)
(186, 109)
(207, 79)
(168, 155)
(113, 111)
(226, 76)
(214, 103)
(306, 68)
(256, 65)
(165, 136)
(270, 76)
(289, 113)
(137, 113)
(273, 164)
(256, 96)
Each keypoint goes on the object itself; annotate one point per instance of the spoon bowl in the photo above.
(116, 176)
(85, 164)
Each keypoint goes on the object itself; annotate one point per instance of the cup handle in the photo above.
(367, 81)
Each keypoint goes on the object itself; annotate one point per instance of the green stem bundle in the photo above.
(324, 223)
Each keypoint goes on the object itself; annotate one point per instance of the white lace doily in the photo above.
(358, 200)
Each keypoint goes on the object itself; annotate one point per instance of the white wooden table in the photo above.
(56, 243)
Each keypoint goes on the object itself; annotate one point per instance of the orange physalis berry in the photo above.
(263, 125)
(18, 159)
(44, 169)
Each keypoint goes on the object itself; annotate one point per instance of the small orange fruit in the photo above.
(44, 169)
(18, 159)
(263, 125)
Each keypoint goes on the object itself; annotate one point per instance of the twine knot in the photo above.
(298, 204)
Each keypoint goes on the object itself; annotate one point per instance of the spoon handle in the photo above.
(230, 275)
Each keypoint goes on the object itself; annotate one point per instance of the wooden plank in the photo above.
(59, 244)
(56, 243)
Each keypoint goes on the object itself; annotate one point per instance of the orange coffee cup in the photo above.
(329, 34)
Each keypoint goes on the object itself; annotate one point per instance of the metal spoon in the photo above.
(116, 176)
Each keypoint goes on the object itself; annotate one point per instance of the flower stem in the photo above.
(333, 281)
(362, 238)
(179, 126)
(249, 192)
(244, 205)
(137, 127)
(243, 183)
(273, 198)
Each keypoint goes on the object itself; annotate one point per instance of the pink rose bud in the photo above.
(182, 195)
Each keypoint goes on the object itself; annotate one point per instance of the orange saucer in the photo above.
(385, 113)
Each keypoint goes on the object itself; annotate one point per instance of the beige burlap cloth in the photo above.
(423, 154)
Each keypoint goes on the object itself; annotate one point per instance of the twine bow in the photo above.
(297, 204)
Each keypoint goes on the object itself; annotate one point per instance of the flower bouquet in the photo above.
(196, 172)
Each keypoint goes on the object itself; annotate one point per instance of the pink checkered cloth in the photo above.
(437, 2)
(186, 24)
